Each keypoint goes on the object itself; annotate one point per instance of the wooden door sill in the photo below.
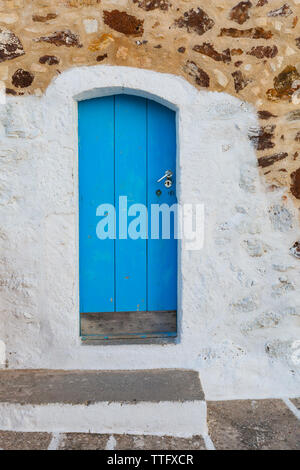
(129, 326)
(100, 341)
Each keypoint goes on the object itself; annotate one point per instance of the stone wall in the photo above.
(249, 49)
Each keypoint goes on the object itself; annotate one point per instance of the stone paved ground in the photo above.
(237, 425)
(253, 424)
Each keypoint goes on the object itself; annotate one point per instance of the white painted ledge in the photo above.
(164, 418)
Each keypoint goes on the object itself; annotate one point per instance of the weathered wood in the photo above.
(130, 324)
(132, 340)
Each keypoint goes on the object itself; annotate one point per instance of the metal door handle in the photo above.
(168, 174)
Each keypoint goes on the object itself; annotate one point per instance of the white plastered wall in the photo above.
(239, 299)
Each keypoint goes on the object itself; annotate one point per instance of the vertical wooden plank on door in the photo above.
(96, 176)
(130, 181)
(162, 253)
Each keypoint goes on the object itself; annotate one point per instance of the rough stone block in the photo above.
(253, 425)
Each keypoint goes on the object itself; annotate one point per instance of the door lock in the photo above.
(168, 177)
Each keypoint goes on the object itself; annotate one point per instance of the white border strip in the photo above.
(208, 442)
(164, 418)
(57, 438)
(111, 443)
(292, 407)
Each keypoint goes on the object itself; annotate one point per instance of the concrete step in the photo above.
(159, 402)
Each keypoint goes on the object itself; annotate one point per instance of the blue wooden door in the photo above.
(128, 285)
